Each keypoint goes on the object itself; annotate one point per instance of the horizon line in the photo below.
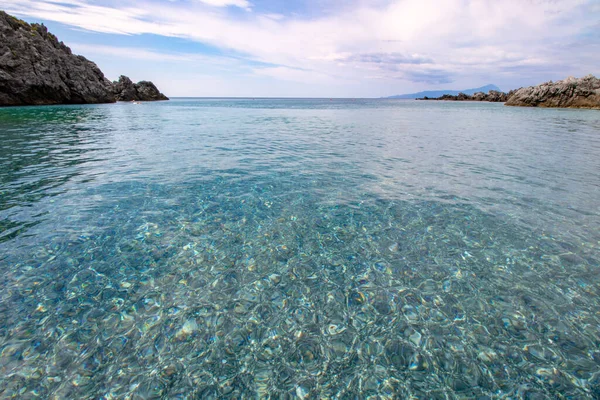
(285, 97)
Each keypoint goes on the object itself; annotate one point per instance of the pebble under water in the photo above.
(312, 249)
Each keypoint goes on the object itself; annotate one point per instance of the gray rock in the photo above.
(569, 93)
(148, 92)
(479, 96)
(125, 90)
(35, 68)
(495, 96)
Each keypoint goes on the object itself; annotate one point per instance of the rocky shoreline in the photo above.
(37, 69)
(492, 96)
(568, 93)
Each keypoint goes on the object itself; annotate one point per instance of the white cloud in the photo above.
(137, 53)
(419, 42)
(225, 3)
(172, 60)
(294, 75)
(130, 52)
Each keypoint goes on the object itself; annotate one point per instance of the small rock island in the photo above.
(125, 90)
(37, 69)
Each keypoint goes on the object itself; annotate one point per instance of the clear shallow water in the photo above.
(299, 248)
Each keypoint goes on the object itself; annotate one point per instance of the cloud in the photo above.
(387, 58)
(181, 61)
(439, 77)
(418, 42)
(132, 52)
(225, 3)
(293, 74)
(138, 53)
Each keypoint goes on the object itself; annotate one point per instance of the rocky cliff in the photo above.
(569, 93)
(35, 69)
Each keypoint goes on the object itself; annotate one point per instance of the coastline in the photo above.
(30, 77)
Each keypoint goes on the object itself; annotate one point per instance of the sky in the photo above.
(326, 48)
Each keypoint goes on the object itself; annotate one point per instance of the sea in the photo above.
(299, 249)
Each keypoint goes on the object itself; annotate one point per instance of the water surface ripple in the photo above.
(286, 248)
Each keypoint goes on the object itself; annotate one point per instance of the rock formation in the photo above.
(493, 96)
(569, 93)
(36, 69)
(125, 90)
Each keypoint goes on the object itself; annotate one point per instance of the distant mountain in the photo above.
(439, 93)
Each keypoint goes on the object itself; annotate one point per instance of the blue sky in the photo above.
(326, 48)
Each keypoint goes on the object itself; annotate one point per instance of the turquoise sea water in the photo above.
(223, 248)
